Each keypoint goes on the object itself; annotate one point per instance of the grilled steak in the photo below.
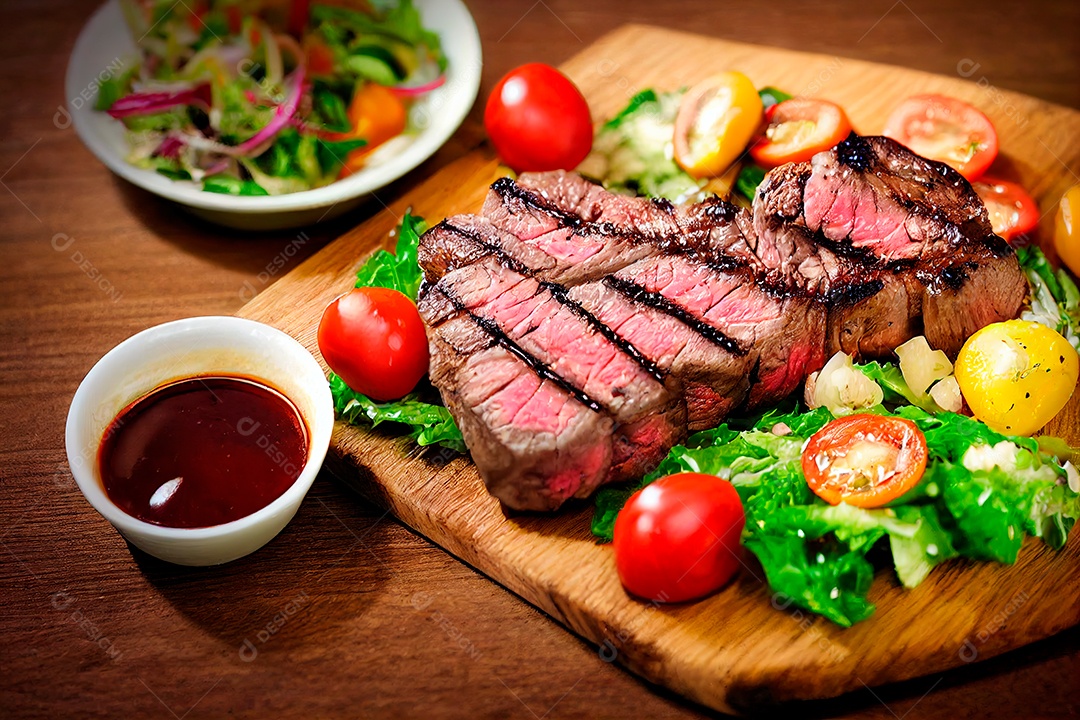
(560, 342)
(896, 244)
(577, 335)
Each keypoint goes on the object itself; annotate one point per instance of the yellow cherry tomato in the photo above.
(1067, 229)
(1016, 375)
(717, 118)
(377, 115)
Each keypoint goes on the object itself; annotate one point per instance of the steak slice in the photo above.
(892, 242)
(581, 251)
(780, 337)
(564, 344)
(711, 231)
(534, 444)
(714, 379)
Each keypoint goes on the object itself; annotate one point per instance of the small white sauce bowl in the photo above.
(182, 349)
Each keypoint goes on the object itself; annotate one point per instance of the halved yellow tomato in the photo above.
(1067, 229)
(716, 120)
(1016, 375)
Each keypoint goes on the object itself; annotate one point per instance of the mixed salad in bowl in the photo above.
(262, 98)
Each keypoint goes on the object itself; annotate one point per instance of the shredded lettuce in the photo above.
(1055, 299)
(428, 423)
(632, 152)
(982, 493)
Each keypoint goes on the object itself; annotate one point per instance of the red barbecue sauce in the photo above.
(202, 451)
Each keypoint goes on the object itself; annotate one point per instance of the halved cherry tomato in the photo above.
(797, 130)
(1067, 229)
(678, 538)
(538, 120)
(864, 460)
(1012, 211)
(945, 129)
(716, 120)
(377, 115)
(375, 340)
(1016, 375)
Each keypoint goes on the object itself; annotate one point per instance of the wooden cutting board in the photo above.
(739, 649)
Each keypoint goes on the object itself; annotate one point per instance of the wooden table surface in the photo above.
(348, 613)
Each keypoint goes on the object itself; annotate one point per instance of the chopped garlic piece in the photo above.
(842, 388)
(946, 393)
(921, 365)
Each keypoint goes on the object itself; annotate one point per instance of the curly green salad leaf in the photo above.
(427, 423)
(398, 270)
(981, 494)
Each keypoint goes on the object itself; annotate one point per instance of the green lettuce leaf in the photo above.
(228, 185)
(642, 98)
(1055, 299)
(428, 424)
(748, 179)
(398, 270)
(895, 387)
(829, 579)
(771, 96)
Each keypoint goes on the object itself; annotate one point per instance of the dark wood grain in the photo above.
(360, 616)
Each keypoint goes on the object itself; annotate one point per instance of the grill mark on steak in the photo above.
(507, 188)
(490, 248)
(561, 294)
(674, 240)
(499, 338)
(658, 302)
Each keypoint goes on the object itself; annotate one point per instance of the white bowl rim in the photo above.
(464, 75)
(320, 428)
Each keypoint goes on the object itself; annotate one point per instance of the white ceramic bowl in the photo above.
(175, 350)
(105, 47)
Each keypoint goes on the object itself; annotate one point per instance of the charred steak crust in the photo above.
(577, 335)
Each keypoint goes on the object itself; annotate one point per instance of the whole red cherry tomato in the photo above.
(678, 537)
(374, 339)
(538, 120)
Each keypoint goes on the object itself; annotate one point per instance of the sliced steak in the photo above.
(565, 345)
(892, 242)
(714, 378)
(534, 444)
(781, 337)
(581, 251)
(713, 231)
(965, 296)
(577, 335)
